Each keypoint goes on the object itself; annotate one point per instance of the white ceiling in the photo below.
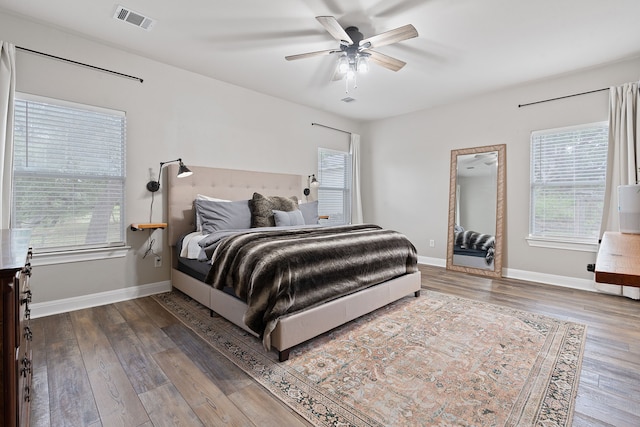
(464, 47)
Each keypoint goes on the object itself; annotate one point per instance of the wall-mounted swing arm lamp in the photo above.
(183, 171)
(154, 186)
(311, 182)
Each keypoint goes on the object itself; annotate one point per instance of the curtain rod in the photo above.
(329, 127)
(562, 97)
(80, 63)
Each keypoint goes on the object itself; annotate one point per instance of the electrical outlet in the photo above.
(432, 243)
(158, 262)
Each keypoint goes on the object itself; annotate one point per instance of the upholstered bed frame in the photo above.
(239, 185)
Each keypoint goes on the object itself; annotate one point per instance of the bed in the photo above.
(292, 328)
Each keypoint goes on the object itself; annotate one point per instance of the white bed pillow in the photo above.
(190, 247)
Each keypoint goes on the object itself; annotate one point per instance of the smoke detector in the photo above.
(134, 18)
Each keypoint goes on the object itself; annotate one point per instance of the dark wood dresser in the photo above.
(15, 355)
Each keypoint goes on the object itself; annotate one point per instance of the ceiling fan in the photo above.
(355, 51)
(486, 158)
(480, 160)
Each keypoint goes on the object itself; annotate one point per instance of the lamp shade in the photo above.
(183, 171)
(311, 182)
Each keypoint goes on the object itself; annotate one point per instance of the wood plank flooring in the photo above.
(134, 364)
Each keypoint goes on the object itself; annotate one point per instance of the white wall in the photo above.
(406, 162)
(174, 113)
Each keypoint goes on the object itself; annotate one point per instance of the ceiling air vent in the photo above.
(135, 18)
(348, 99)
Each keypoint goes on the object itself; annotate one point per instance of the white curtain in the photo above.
(623, 165)
(356, 198)
(7, 93)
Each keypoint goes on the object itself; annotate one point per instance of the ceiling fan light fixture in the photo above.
(343, 64)
(362, 64)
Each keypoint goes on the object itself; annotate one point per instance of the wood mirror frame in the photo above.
(499, 212)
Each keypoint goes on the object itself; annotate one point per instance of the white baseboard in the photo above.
(436, 262)
(94, 300)
(531, 276)
(550, 279)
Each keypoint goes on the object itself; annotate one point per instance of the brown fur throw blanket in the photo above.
(281, 271)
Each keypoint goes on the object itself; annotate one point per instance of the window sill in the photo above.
(549, 243)
(51, 258)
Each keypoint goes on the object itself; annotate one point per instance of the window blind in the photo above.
(568, 172)
(334, 192)
(68, 174)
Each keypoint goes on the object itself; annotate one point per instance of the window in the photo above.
(334, 192)
(568, 171)
(68, 174)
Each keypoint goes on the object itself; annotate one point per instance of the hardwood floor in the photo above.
(134, 364)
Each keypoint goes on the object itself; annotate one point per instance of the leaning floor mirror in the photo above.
(476, 210)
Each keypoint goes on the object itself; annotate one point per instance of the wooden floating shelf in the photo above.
(148, 226)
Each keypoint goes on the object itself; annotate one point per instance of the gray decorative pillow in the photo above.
(309, 212)
(286, 219)
(262, 208)
(217, 216)
(212, 199)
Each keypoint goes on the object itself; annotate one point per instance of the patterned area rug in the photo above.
(433, 360)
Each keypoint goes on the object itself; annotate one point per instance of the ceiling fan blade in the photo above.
(311, 54)
(386, 61)
(392, 36)
(334, 28)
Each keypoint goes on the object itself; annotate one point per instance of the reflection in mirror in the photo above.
(476, 210)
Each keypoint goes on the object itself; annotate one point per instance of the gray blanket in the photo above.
(278, 272)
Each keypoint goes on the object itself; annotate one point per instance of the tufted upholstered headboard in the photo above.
(230, 184)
